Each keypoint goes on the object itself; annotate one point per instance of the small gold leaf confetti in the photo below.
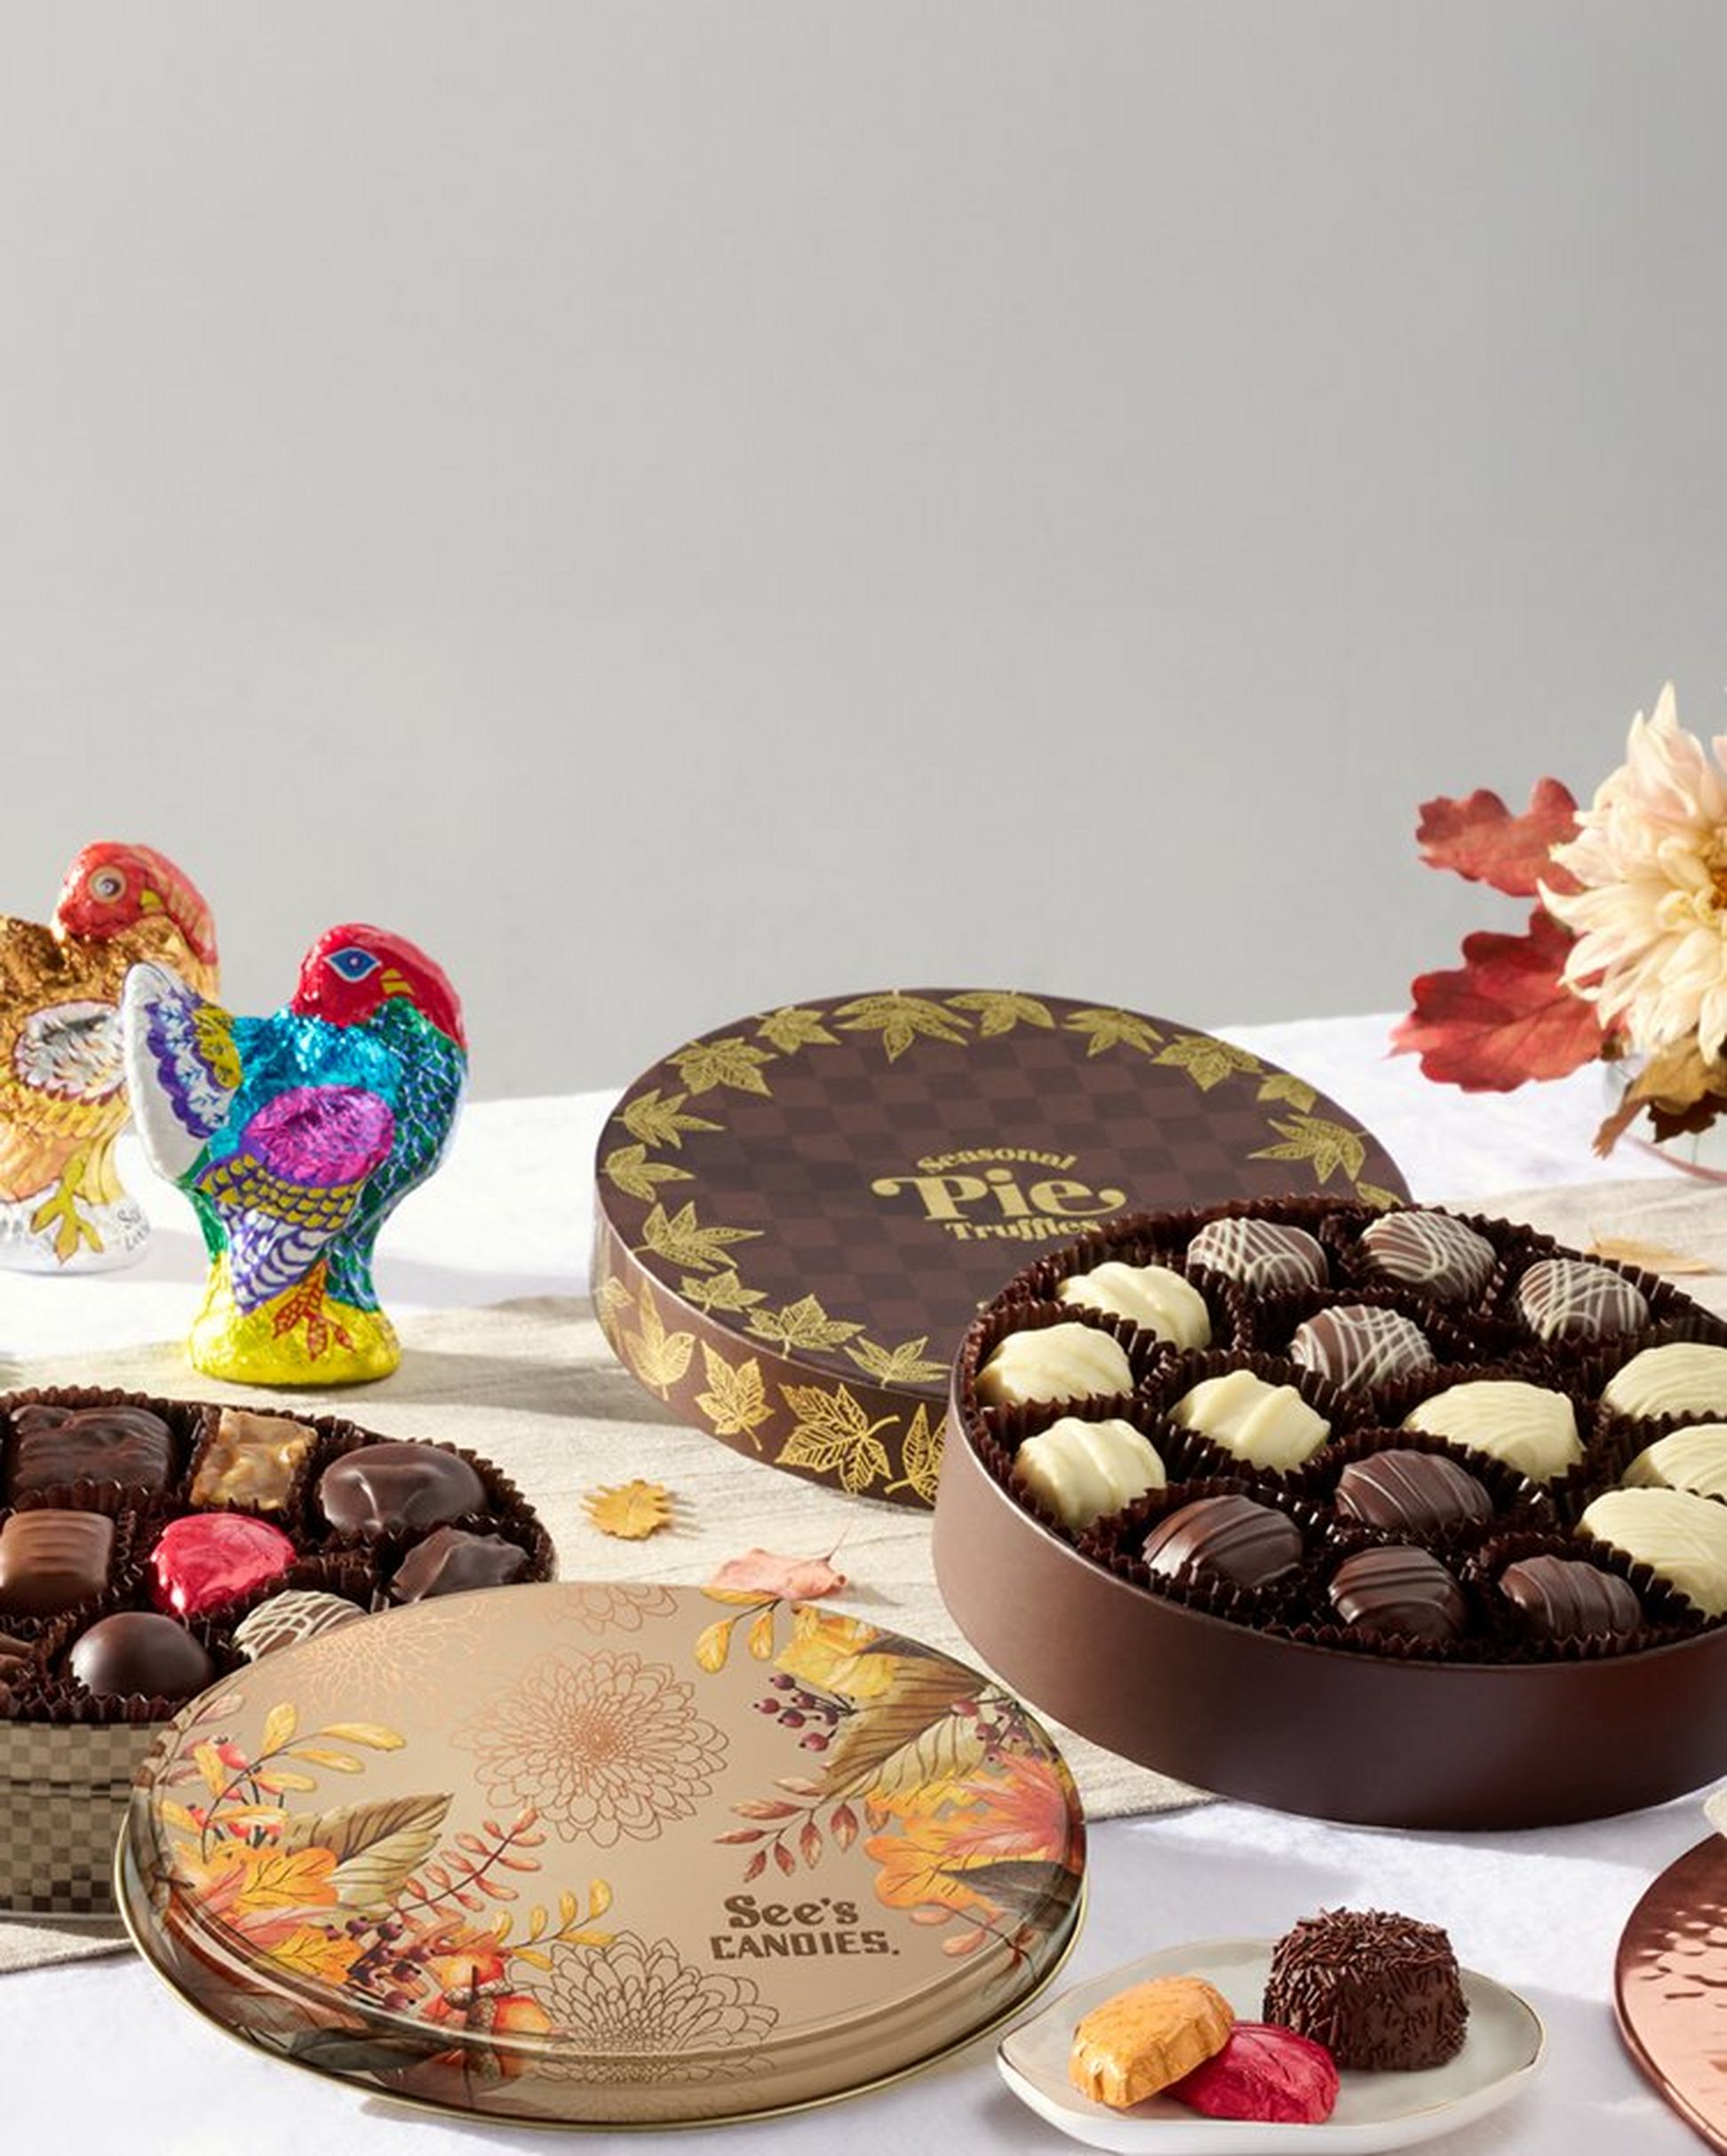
(1649, 1257)
(632, 1511)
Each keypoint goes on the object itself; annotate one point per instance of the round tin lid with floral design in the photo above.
(799, 1214)
(605, 1854)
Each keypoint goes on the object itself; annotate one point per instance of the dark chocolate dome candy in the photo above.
(1381, 1991)
(1411, 1492)
(135, 1654)
(1400, 1592)
(451, 1561)
(1562, 1598)
(398, 1488)
(1227, 1538)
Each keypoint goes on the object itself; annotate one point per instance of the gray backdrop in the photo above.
(683, 508)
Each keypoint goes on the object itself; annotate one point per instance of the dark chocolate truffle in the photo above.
(1559, 1598)
(55, 1446)
(398, 1488)
(52, 1561)
(1226, 1539)
(451, 1561)
(135, 1652)
(1409, 1492)
(1357, 1345)
(1429, 1251)
(1260, 1253)
(1380, 1992)
(1563, 1299)
(1397, 1592)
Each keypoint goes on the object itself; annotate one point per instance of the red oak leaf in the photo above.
(1479, 838)
(759, 1573)
(1503, 1017)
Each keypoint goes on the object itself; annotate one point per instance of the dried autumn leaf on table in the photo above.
(631, 1511)
(759, 1573)
(1650, 1257)
(1479, 838)
(1503, 1017)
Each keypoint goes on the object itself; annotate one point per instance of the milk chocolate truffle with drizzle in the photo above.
(1429, 1251)
(1565, 1299)
(1061, 1362)
(1261, 1254)
(1357, 1346)
(1149, 1296)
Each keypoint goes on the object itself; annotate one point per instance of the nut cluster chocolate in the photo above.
(150, 1546)
(1403, 1434)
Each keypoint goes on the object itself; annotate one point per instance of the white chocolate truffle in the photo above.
(1082, 1470)
(1268, 1425)
(1693, 1459)
(1528, 1427)
(1151, 1296)
(1070, 1361)
(1685, 1378)
(1681, 1538)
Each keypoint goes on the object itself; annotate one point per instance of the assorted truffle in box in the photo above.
(152, 1545)
(1399, 1434)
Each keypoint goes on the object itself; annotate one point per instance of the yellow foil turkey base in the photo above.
(302, 1337)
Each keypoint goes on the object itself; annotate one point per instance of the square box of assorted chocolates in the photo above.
(149, 1547)
(1384, 1515)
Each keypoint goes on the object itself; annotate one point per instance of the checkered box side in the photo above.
(63, 1795)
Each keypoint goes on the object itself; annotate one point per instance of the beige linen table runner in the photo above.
(533, 1386)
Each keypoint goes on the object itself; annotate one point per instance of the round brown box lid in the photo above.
(799, 1213)
(608, 1854)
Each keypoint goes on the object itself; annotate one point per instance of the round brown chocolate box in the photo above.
(797, 1213)
(1339, 1733)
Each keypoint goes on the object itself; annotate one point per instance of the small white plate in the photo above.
(1374, 2111)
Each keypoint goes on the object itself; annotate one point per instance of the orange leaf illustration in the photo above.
(631, 1511)
(325, 1956)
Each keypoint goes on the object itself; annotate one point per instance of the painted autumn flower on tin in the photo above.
(1626, 950)
(971, 1820)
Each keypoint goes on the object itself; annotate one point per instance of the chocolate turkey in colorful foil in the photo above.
(62, 1084)
(296, 1136)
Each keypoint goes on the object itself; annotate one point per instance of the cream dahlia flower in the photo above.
(1650, 918)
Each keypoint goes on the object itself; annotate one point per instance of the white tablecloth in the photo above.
(98, 2056)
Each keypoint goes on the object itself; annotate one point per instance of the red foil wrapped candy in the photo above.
(210, 1559)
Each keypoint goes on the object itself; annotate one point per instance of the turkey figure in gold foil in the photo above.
(62, 1083)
